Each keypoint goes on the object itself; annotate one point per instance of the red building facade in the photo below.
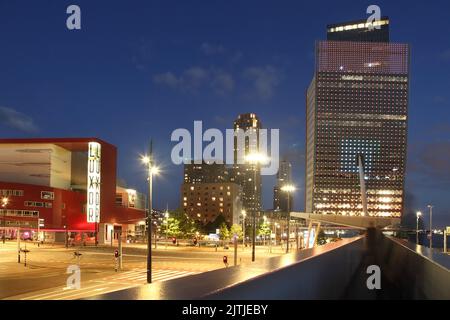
(46, 184)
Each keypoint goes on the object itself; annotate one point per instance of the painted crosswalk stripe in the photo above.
(109, 283)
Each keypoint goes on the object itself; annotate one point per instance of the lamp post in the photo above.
(275, 226)
(255, 159)
(288, 189)
(167, 226)
(431, 225)
(244, 214)
(4, 204)
(66, 237)
(151, 170)
(418, 214)
(264, 235)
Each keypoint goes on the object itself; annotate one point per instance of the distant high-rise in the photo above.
(205, 172)
(357, 107)
(205, 202)
(284, 177)
(244, 174)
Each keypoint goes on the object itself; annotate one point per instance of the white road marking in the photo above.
(106, 284)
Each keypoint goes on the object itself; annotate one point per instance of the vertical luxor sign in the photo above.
(93, 182)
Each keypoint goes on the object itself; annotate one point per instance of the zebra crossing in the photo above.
(110, 283)
(139, 276)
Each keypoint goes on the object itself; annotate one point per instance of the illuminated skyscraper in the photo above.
(206, 172)
(357, 106)
(284, 177)
(244, 174)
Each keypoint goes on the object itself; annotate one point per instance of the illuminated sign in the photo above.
(351, 77)
(93, 182)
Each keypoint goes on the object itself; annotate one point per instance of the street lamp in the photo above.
(244, 214)
(277, 226)
(418, 214)
(5, 201)
(288, 189)
(431, 225)
(255, 159)
(167, 226)
(151, 170)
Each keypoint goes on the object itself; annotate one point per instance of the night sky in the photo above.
(140, 69)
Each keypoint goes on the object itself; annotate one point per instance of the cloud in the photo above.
(167, 78)
(17, 120)
(223, 82)
(264, 80)
(445, 55)
(258, 82)
(211, 49)
(236, 57)
(195, 78)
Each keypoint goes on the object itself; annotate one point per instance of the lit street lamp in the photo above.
(288, 189)
(431, 225)
(255, 159)
(418, 214)
(167, 226)
(244, 214)
(151, 170)
(4, 204)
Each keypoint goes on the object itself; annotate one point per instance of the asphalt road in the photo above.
(45, 276)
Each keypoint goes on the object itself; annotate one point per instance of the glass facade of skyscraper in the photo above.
(357, 106)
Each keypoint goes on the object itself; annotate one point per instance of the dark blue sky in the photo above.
(140, 69)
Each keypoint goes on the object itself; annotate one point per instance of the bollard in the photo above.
(116, 259)
(120, 250)
(235, 250)
(18, 245)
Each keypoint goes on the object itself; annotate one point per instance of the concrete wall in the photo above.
(414, 269)
(325, 276)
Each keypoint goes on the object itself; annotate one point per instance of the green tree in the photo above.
(224, 232)
(236, 229)
(188, 227)
(212, 226)
(264, 229)
(171, 227)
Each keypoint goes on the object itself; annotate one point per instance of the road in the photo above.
(45, 276)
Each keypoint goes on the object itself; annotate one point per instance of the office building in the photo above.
(205, 202)
(206, 172)
(284, 177)
(245, 174)
(357, 106)
(360, 31)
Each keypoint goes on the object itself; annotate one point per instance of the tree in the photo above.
(188, 227)
(264, 229)
(171, 227)
(224, 232)
(236, 229)
(211, 227)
